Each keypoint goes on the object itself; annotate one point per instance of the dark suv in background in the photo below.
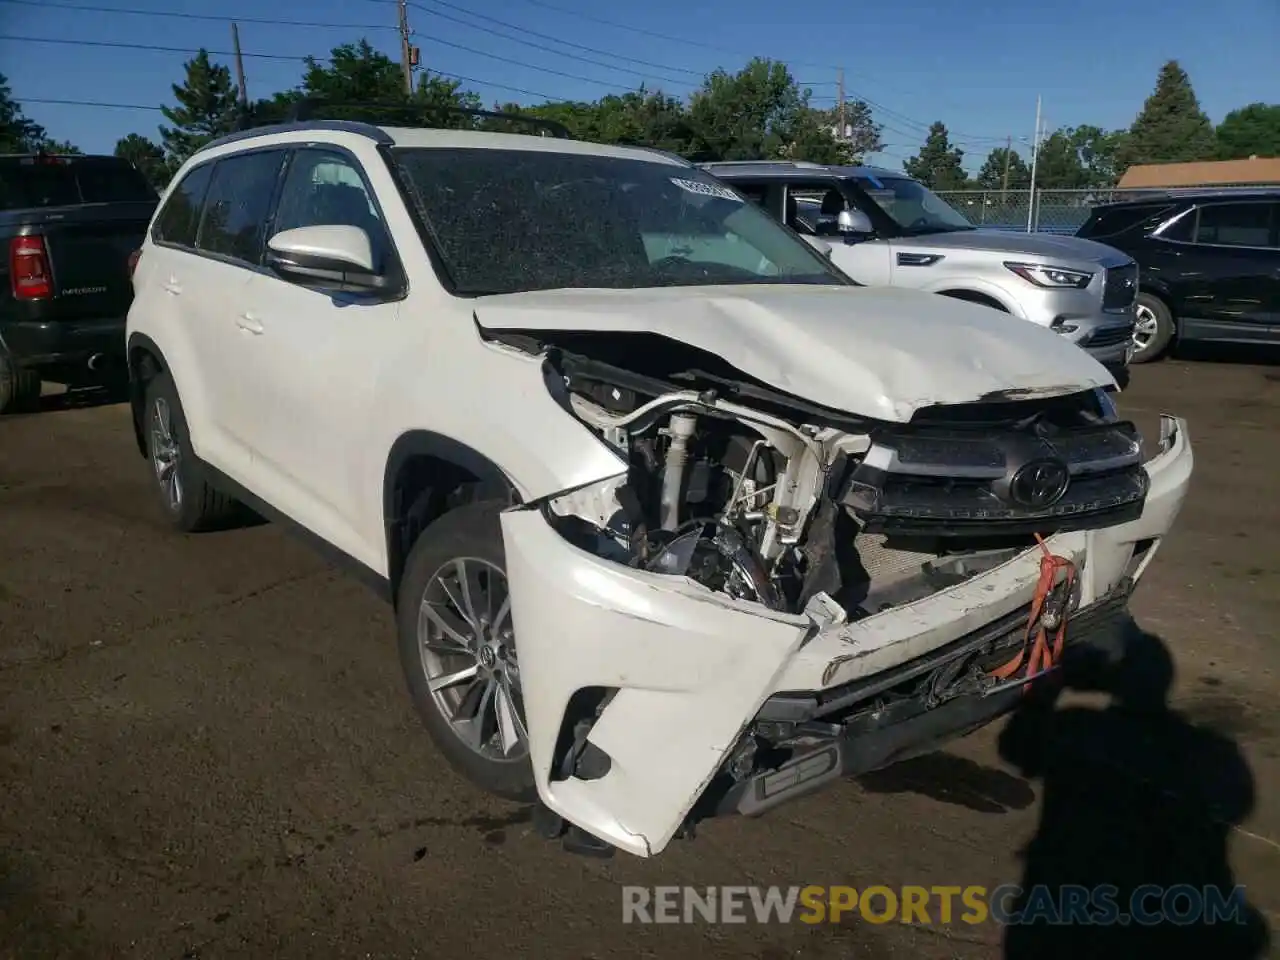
(1209, 262)
(71, 225)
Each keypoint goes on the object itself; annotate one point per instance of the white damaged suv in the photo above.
(676, 519)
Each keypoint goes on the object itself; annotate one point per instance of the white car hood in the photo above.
(875, 352)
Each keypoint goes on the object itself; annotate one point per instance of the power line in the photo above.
(133, 11)
(544, 36)
(120, 45)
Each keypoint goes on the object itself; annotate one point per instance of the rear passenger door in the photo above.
(314, 354)
(229, 248)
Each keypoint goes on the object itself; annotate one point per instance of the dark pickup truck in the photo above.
(72, 225)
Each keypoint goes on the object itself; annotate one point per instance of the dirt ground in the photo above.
(206, 749)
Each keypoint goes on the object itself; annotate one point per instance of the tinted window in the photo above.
(1183, 229)
(27, 182)
(513, 220)
(1108, 221)
(913, 206)
(180, 218)
(237, 204)
(323, 188)
(1235, 224)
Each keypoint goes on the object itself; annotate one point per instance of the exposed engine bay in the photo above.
(770, 499)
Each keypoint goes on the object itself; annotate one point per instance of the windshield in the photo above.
(508, 221)
(913, 206)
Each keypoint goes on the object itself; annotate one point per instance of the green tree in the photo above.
(862, 135)
(356, 74)
(754, 114)
(938, 164)
(18, 133)
(1098, 150)
(147, 156)
(1171, 126)
(1252, 131)
(207, 108)
(992, 176)
(65, 147)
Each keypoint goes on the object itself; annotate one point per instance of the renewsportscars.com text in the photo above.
(1007, 905)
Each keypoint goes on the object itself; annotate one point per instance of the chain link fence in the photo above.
(1042, 211)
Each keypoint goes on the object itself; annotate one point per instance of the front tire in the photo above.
(457, 649)
(189, 501)
(1153, 329)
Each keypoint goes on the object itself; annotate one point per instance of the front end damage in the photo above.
(775, 595)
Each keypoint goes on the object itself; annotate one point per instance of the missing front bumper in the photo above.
(692, 669)
(873, 739)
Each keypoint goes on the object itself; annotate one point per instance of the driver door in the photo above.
(869, 260)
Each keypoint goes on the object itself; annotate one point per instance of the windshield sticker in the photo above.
(875, 183)
(706, 189)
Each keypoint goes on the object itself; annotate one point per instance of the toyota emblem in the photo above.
(1040, 484)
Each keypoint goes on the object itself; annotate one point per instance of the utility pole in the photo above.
(1035, 156)
(1008, 152)
(240, 67)
(844, 128)
(244, 94)
(405, 53)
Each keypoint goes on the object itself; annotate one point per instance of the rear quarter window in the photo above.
(180, 218)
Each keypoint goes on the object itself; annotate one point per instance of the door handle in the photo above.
(247, 321)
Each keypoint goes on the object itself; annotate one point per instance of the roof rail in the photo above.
(407, 113)
(340, 126)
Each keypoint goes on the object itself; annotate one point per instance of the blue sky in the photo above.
(976, 66)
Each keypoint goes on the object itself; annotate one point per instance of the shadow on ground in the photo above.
(1260, 354)
(1133, 794)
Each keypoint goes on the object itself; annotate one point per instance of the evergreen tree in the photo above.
(1171, 126)
(147, 156)
(207, 108)
(18, 133)
(992, 174)
(938, 164)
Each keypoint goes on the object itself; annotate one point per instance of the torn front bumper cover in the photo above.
(693, 669)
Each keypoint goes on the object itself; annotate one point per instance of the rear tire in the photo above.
(475, 715)
(190, 502)
(19, 387)
(1154, 328)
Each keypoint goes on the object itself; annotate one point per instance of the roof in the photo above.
(1256, 170)
(794, 168)
(443, 138)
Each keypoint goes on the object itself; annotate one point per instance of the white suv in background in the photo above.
(888, 229)
(676, 520)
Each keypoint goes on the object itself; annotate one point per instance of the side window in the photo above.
(1184, 230)
(238, 204)
(1235, 224)
(180, 219)
(325, 188)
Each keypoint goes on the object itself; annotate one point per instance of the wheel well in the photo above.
(144, 365)
(972, 296)
(427, 476)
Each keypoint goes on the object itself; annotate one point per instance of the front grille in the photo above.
(947, 482)
(1110, 336)
(1121, 287)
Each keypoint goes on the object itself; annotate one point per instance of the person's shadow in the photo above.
(1133, 795)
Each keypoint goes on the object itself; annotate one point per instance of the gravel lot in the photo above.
(206, 749)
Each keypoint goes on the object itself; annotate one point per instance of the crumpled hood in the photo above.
(1045, 245)
(875, 352)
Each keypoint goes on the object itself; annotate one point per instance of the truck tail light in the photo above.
(29, 272)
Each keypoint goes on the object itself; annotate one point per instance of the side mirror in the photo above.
(854, 222)
(818, 244)
(328, 255)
